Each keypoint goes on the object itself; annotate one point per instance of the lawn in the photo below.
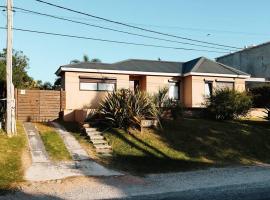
(10, 158)
(185, 144)
(190, 144)
(53, 143)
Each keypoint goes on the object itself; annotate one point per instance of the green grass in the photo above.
(190, 144)
(11, 150)
(53, 143)
(185, 144)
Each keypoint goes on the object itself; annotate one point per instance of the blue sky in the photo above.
(229, 22)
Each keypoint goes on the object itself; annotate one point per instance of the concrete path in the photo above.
(37, 149)
(73, 146)
(42, 169)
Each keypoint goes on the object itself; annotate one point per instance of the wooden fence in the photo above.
(39, 105)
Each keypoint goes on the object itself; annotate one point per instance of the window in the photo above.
(95, 84)
(223, 85)
(174, 90)
(88, 86)
(106, 86)
(208, 88)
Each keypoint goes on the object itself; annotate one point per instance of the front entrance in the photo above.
(137, 82)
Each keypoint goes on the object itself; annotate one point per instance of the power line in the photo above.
(112, 41)
(131, 26)
(115, 30)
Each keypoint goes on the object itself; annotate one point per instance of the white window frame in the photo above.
(111, 84)
(176, 84)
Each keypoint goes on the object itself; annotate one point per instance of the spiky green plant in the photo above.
(124, 108)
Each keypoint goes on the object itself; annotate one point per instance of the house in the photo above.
(189, 82)
(254, 60)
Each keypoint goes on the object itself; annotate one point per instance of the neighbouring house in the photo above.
(254, 60)
(189, 82)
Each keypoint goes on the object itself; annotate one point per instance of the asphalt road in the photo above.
(255, 191)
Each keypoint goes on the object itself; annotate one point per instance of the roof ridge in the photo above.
(232, 69)
(197, 65)
(148, 60)
(71, 64)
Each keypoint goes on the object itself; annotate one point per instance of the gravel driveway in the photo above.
(128, 186)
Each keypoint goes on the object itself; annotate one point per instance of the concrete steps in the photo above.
(99, 141)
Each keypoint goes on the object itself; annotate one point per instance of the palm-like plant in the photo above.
(124, 108)
(85, 59)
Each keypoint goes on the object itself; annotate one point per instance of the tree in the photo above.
(86, 59)
(96, 60)
(21, 79)
(47, 86)
(57, 83)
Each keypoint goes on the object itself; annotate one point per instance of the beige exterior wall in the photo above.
(78, 99)
(187, 91)
(195, 88)
(154, 83)
(191, 89)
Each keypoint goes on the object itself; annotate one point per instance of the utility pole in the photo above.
(10, 115)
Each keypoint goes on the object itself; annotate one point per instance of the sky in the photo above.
(232, 22)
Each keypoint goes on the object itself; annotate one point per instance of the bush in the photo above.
(124, 108)
(260, 96)
(228, 104)
(164, 103)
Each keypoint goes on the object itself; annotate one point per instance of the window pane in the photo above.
(208, 88)
(106, 86)
(223, 85)
(173, 90)
(88, 86)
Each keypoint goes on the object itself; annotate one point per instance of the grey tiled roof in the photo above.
(205, 65)
(199, 65)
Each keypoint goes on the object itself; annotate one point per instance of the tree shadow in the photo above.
(132, 144)
(18, 194)
(240, 142)
(142, 165)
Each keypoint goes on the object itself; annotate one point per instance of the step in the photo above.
(105, 154)
(90, 129)
(102, 146)
(96, 137)
(93, 133)
(105, 151)
(99, 142)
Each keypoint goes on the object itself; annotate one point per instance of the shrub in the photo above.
(124, 108)
(164, 103)
(260, 96)
(176, 109)
(226, 104)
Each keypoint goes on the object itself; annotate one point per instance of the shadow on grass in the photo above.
(132, 144)
(138, 157)
(17, 194)
(239, 142)
(141, 165)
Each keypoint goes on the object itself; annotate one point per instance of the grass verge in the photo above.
(53, 143)
(11, 170)
(185, 144)
(188, 144)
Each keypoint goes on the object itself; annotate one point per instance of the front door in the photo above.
(134, 84)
